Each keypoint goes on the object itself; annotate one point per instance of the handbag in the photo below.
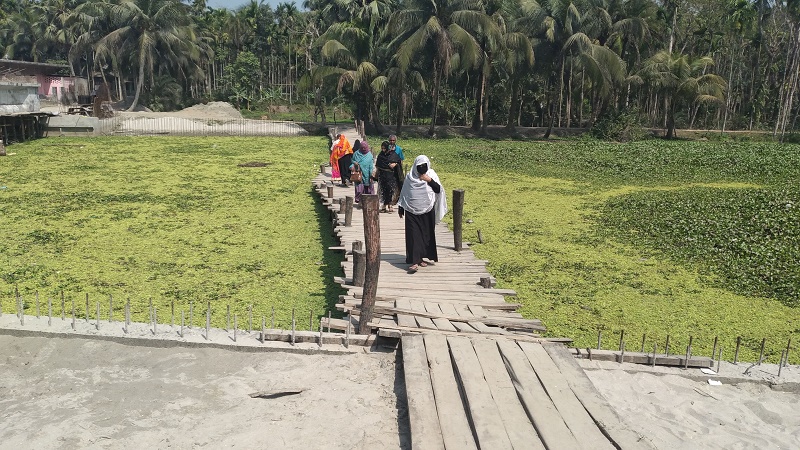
(355, 174)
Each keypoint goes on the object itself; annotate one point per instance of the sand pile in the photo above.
(211, 119)
(221, 110)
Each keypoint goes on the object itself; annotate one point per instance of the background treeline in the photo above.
(612, 65)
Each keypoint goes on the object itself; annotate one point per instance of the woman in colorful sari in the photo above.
(423, 203)
(341, 148)
(390, 176)
(363, 162)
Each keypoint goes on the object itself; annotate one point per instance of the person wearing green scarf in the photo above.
(363, 161)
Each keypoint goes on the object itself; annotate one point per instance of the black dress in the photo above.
(344, 167)
(421, 233)
(390, 179)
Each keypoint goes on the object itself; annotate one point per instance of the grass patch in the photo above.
(585, 232)
(172, 219)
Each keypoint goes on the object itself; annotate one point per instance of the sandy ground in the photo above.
(678, 409)
(84, 393)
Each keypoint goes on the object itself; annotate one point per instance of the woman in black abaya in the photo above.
(423, 203)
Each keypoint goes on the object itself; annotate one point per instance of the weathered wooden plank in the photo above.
(442, 324)
(593, 401)
(473, 335)
(647, 358)
(575, 416)
(421, 316)
(419, 312)
(456, 431)
(478, 311)
(405, 320)
(486, 419)
(517, 423)
(425, 430)
(448, 309)
(450, 287)
(463, 311)
(463, 327)
(483, 328)
(412, 292)
(545, 417)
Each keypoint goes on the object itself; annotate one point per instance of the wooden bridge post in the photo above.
(458, 214)
(348, 211)
(372, 242)
(359, 267)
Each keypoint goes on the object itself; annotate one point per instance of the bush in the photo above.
(623, 126)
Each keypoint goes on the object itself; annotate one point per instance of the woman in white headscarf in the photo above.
(423, 203)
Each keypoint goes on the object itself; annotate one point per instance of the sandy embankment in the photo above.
(82, 393)
(678, 409)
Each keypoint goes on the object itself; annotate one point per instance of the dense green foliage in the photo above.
(172, 219)
(729, 64)
(657, 238)
(750, 238)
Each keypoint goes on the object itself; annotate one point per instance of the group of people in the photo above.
(418, 195)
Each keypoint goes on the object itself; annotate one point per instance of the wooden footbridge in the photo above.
(478, 375)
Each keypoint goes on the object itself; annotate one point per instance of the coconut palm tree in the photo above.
(683, 81)
(349, 52)
(438, 29)
(154, 31)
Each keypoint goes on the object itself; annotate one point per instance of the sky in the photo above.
(234, 4)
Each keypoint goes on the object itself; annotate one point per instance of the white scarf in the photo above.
(417, 197)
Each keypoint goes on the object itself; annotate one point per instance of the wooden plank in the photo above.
(483, 328)
(486, 420)
(421, 316)
(545, 417)
(478, 311)
(450, 287)
(425, 431)
(442, 324)
(411, 292)
(593, 401)
(525, 324)
(464, 327)
(405, 320)
(456, 431)
(463, 311)
(448, 309)
(647, 358)
(518, 424)
(575, 416)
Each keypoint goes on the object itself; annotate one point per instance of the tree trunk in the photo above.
(569, 96)
(485, 106)
(670, 116)
(437, 79)
(560, 91)
(515, 107)
(139, 84)
(401, 109)
(477, 118)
